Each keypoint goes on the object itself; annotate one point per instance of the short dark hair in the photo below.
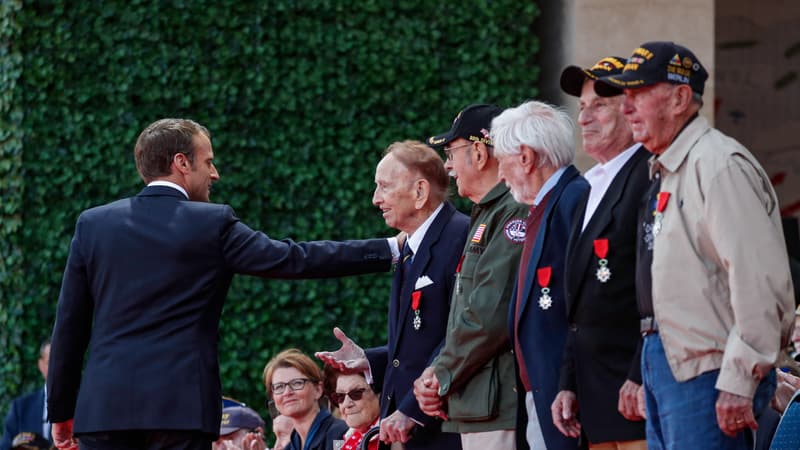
(418, 157)
(158, 144)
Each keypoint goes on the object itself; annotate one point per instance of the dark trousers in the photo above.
(145, 440)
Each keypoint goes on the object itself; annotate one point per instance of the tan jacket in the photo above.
(722, 292)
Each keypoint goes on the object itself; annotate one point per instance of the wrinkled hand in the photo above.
(628, 400)
(788, 384)
(734, 413)
(426, 390)
(396, 428)
(565, 414)
(350, 358)
(641, 405)
(62, 436)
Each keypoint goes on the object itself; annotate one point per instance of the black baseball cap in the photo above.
(237, 418)
(572, 77)
(472, 123)
(656, 62)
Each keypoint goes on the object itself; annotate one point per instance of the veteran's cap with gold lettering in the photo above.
(572, 77)
(472, 124)
(656, 62)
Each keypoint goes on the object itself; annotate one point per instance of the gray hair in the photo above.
(545, 128)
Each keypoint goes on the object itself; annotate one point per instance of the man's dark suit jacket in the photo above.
(603, 317)
(408, 352)
(143, 289)
(543, 332)
(25, 414)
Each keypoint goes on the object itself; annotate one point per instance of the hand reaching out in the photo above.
(350, 358)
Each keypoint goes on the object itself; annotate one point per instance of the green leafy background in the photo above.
(301, 98)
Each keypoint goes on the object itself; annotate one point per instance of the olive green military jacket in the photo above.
(475, 367)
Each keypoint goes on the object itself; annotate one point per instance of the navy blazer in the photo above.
(604, 320)
(325, 429)
(143, 290)
(25, 414)
(543, 332)
(408, 352)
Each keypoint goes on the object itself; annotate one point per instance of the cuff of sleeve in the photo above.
(368, 374)
(742, 367)
(395, 248)
(445, 380)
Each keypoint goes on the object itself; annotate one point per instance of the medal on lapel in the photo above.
(661, 205)
(416, 296)
(543, 274)
(603, 273)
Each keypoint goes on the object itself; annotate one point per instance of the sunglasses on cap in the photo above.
(355, 395)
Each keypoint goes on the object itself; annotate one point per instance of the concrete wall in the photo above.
(758, 87)
(596, 28)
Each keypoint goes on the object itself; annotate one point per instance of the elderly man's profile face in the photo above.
(394, 193)
(647, 111)
(603, 127)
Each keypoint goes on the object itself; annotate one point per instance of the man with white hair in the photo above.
(535, 149)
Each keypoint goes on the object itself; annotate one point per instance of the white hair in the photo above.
(546, 129)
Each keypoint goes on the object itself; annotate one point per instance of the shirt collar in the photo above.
(415, 240)
(676, 153)
(169, 184)
(548, 185)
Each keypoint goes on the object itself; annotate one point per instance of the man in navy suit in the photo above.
(143, 291)
(601, 370)
(534, 147)
(411, 190)
(27, 413)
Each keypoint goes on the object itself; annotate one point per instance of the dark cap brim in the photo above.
(440, 140)
(572, 79)
(614, 84)
(228, 430)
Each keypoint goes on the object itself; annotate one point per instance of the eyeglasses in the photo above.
(448, 152)
(295, 385)
(355, 395)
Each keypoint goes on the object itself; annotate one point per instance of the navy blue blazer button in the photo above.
(396, 363)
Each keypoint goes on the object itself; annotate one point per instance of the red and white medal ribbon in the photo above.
(543, 275)
(661, 205)
(416, 297)
(603, 273)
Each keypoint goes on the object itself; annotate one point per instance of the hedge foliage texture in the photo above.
(301, 97)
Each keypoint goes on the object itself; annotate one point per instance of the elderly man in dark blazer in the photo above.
(534, 147)
(411, 190)
(601, 370)
(143, 291)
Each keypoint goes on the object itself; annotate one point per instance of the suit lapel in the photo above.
(422, 259)
(536, 254)
(599, 224)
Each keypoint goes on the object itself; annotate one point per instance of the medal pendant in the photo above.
(417, 320)
(657, 223)
(603, 272)
(545, 301)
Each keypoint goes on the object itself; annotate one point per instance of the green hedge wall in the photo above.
(301, 98)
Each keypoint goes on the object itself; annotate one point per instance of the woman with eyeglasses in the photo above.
(360, 408)
(294, 382)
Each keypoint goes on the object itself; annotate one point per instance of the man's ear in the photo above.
(182, 163)
(682, 98)
(422, 190)
(480, 155)
(527, 158)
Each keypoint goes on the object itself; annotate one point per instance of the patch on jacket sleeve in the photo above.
(514, 231)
